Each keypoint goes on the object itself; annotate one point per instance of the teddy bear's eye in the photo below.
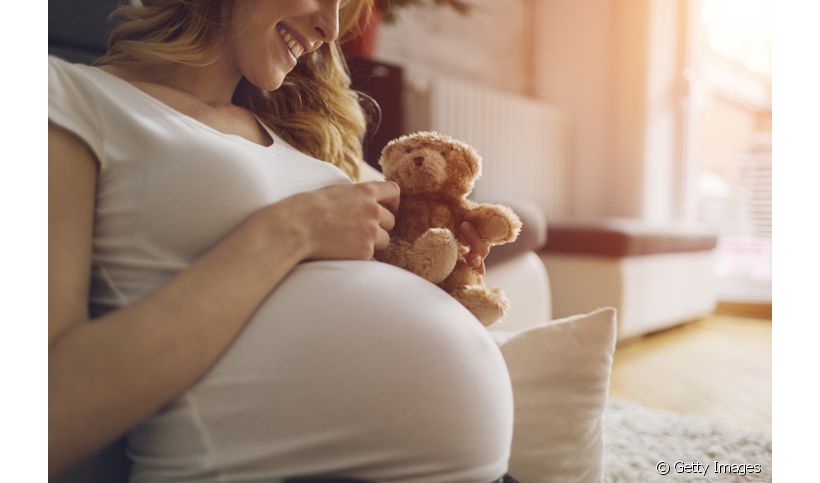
(408, 150)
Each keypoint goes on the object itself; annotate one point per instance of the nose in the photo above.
(418, 160)
(326, 20)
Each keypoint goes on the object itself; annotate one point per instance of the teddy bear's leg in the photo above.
(397, 253)
(435, 254)
(432, 256)
(466, 285)
(487, 304)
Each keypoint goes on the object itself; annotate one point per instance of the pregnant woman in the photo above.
(212, 291)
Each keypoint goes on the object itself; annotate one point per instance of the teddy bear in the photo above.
(436, 173)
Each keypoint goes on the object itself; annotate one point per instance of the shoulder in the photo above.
(61, 72)
(57, 64)
(69, 83)
(73, 105)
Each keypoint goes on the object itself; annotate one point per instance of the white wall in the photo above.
(612, 66)
(572, 72)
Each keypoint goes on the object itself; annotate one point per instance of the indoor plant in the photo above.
(386, 11)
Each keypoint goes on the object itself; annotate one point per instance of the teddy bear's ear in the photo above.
(387, 151)
(468, 158)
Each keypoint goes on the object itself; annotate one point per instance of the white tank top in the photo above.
(169, 186)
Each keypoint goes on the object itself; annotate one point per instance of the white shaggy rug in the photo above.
(639, 443)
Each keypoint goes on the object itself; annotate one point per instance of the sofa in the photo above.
(656, 276)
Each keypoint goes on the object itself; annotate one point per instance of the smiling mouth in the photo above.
(293, 45)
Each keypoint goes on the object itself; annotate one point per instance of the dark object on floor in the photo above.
(319, 479)
(508, 479)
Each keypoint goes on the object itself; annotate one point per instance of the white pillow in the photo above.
(560, 377)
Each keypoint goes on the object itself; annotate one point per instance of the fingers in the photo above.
(478, 247)
(382, 240)
(386, 218)
(481, 268)
(386, 193)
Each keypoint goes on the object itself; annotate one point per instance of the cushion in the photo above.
(560, 377)
(624, 238)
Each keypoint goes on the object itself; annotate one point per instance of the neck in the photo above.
(212, 84)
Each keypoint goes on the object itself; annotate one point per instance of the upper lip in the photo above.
(298, 37)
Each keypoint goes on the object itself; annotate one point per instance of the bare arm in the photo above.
(107, 375)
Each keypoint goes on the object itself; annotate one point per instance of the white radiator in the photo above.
(522, 140)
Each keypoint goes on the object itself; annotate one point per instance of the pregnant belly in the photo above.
(352, 368)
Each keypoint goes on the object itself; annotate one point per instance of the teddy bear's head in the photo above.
(429, 162)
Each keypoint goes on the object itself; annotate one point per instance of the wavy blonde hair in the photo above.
(314, 110)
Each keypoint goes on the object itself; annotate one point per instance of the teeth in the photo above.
(294, 46)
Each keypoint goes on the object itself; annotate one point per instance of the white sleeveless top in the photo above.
(160, 171)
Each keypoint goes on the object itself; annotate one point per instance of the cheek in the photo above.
(261, 62)
(258, 71)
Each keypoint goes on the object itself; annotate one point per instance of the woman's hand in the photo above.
(340, 221)
(479, 249)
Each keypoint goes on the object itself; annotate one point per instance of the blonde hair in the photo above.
(314, 110)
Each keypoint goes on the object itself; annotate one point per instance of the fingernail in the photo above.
(476, 262)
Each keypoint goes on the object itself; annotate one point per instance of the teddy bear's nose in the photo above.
(418, 160)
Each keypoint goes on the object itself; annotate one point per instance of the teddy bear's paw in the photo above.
(437, 238)
(497, 223)
(486, 304)
(436, 253)
(497, 228)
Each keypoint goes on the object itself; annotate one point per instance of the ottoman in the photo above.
(654, 276)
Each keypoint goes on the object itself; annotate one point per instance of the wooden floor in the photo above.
(719, 367)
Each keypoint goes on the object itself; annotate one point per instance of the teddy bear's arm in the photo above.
(496, 224)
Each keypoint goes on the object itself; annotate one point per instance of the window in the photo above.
(728, 139)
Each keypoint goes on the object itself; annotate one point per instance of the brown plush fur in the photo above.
(436, 173)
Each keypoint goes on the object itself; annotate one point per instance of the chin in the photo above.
(272, 86)
(269, 82)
